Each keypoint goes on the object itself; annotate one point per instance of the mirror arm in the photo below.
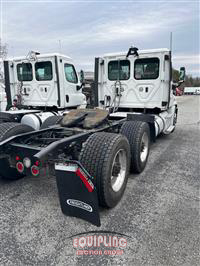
(80, 87)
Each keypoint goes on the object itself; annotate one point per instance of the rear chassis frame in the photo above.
(59, 147)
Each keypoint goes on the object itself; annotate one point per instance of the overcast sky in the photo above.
(91, 28)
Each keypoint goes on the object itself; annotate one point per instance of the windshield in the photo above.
(119, 70)
(24, 72)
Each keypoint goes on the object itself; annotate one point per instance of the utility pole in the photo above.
(60, 46)
(170, 41)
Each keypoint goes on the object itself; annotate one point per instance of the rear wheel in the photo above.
(51, 121)
(8, 130)
(138, 135)
(106, 157)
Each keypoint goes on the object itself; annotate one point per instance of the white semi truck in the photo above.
(192, 90)
(139, 82)
(91, 150)
(40, 85)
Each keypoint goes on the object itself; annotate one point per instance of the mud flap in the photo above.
(77, 192)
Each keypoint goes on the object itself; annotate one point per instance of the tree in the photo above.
(189, 80)
(175, 75)
(3, 55)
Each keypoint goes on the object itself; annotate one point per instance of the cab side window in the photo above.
(146, 68)
(70, 73)
(119, 70)
(24, 72)
(43, 71)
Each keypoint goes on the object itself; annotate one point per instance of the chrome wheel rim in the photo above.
(118, 171)
(144, 147)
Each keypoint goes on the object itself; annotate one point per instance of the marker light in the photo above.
(27, 162)
(17, 158)
(35, 170)
(20, 167)
(37, 163)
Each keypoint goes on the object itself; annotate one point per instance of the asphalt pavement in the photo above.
(159, 212)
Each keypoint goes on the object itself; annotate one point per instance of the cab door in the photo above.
(166, 80)
(72, 94)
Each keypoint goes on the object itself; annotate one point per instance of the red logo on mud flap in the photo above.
(87, 182)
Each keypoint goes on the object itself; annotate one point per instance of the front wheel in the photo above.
(106, 156)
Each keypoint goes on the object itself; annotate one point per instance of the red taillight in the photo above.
(17, 158)
(20, 167)
(37, 163)
(35, 170)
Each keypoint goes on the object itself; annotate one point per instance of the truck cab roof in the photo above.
(149, 51)
(46, 55)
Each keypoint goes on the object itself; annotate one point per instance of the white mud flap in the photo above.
(77, 192)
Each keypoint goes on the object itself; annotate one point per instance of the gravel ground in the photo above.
(159, 211)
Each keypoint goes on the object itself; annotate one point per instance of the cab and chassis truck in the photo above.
(92, 151)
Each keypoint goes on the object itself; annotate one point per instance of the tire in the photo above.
(175, 119)
(137, 132)
(8, 130)
(51, 121)
(97, 156)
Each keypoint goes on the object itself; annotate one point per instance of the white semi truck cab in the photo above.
(139, 81)
(42, 81)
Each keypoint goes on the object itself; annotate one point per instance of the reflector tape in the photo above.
(66, 167)
(87, 182)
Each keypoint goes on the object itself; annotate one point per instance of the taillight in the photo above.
(37, 163)
(20, 167)
(17, 158)
(35, 170)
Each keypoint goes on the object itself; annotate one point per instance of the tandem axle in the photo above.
(75, 154)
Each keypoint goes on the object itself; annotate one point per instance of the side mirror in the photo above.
(82, 76)
(78, 87)
(182, 74)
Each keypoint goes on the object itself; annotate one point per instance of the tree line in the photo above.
(189, 80)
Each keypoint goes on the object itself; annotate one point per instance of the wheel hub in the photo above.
(118, 171)
(144, 147)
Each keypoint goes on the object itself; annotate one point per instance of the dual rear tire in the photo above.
(109, 157)
(106, 156)
(138, 135)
